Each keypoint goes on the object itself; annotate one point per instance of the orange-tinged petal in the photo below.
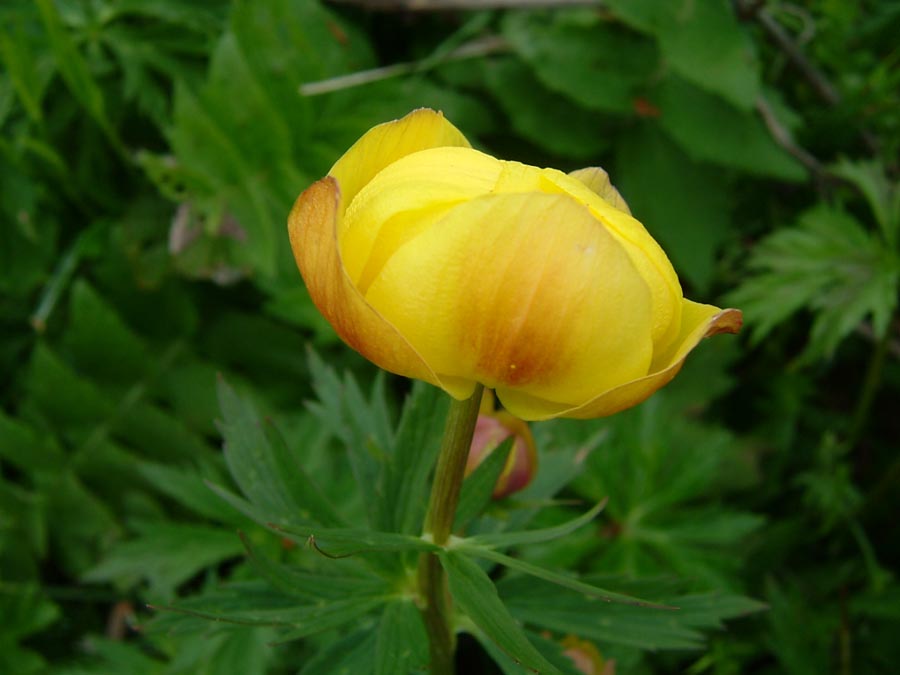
(386, 143)
(312, 225)
(523, 291)
(699, 321)
(598, 181)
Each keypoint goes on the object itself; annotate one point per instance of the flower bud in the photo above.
(491, 429)
(587, 657)
(439, 262)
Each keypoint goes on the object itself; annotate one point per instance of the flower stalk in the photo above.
(445, 490)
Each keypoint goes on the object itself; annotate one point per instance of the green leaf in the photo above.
(402, 642)
(478, 487)
(586, 60)
(740, 141)
(350, 655)
(312, 586)
(882, 195)
(701, 41)
(532, 109)
(416, 448)
(827, 263)
(546, 605)
(474, 593)
(683, 204)
(345, 542)
(74, 69)
(165, 555)
(507, 539)
(252, 605)
(265, 468)
(563, 580)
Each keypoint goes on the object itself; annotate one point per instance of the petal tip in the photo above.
(727, 321)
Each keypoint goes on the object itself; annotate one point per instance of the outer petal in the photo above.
(312, 225)
(521, 291)
(699, 321)
(382, 145)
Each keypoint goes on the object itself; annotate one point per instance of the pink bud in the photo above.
(491, 429)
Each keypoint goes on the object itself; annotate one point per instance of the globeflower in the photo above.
(439, 262)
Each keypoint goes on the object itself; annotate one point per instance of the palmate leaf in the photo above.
(265, 468)
(475, 594)
(402, 643)
(829, 264)
(547, 606)
(507, 539)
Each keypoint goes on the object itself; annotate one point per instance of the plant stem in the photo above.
(448, 478)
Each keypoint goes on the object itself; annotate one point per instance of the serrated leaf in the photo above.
(165, 555)
(475, 594)
(829, 264)
(478, 487)
(547, 606)
(266, 470)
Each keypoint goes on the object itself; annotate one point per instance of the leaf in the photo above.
(478, 487)
(165, 555)
(266, 470)
(474, 593)
(882, 195)
(591, 63)
(312, 586)
(349, 655)
(402, 642)
(828, 264)
(74, 69)
(416, 449)
(546, 605)
(533, 111)
(701, 41)
(252, 605)
(740, 141)
(683, 204)
(563, 580)
(507, 539)
(345, 542)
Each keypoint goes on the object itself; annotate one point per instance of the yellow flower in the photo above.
(439, 262)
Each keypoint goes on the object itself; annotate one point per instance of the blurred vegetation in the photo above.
(151, 150)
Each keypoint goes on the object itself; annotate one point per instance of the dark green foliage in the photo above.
(167, 437)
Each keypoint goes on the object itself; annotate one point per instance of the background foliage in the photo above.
(150, 152)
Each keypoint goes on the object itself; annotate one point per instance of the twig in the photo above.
(489, 44)
(783, 137)
(795, 55)
(450, 5)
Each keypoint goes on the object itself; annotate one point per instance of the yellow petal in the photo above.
(598, 181)
(647, 256)
(406, 198)
(386, 143)
(699, 321)
(523, 291)
(312, 225)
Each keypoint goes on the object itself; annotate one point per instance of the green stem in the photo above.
(448, 478)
